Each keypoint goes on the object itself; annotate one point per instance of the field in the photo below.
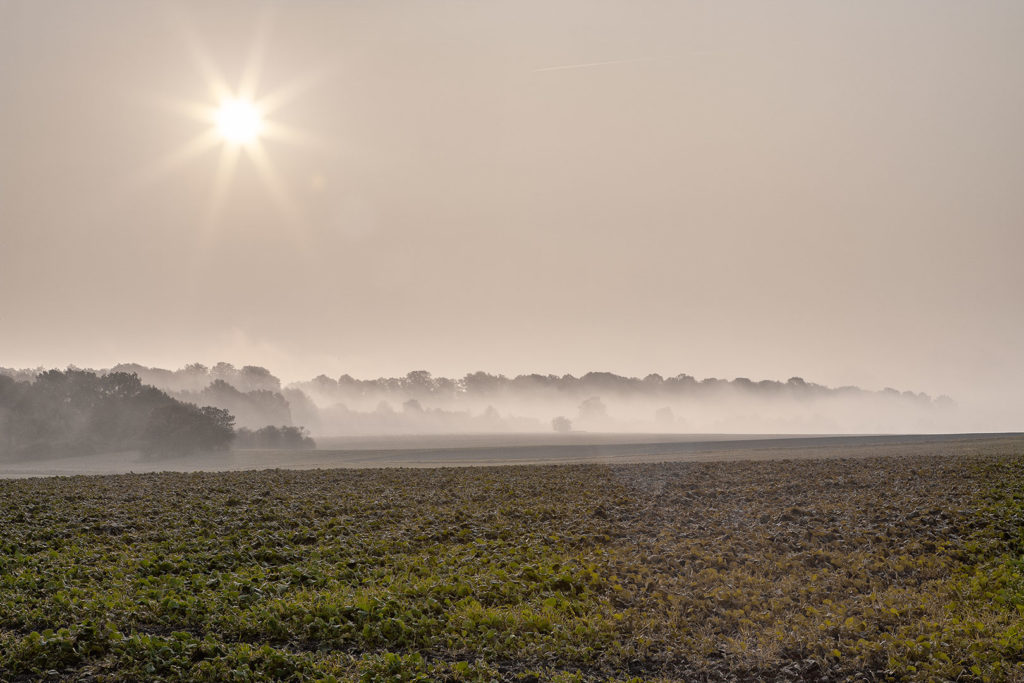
(905, 567)
(518, 449)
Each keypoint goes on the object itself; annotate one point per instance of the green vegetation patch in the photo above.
(898, 568)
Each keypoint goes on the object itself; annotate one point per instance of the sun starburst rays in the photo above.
(226, 165)
(239, 120)
(249, 82)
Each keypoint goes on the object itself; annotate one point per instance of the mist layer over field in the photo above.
(597, 402)
(601, 402)
(485, 450)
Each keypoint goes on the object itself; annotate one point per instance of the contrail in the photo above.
(590, 64)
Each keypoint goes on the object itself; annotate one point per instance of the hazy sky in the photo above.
(824, 189)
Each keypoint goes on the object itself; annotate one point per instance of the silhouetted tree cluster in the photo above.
(252, 394)
(178, 428)
(252, 409)
(196, 377)
(80, 412)
(292, 438)
(22, 375)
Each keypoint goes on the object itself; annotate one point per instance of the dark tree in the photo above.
(76, 412)
(294, 438)
(178, 428)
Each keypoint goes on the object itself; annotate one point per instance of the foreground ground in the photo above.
(870, 568)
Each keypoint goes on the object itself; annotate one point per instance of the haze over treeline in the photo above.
(480, 402)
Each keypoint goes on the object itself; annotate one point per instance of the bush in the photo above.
(294, 438)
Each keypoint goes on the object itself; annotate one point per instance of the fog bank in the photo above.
(483, 403)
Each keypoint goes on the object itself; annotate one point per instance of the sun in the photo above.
(242, 120)
(239, 121)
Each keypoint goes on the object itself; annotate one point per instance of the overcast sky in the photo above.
(824, 189)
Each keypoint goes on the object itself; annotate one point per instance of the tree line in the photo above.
(420, 402)
(256, 389)
(421, 384)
